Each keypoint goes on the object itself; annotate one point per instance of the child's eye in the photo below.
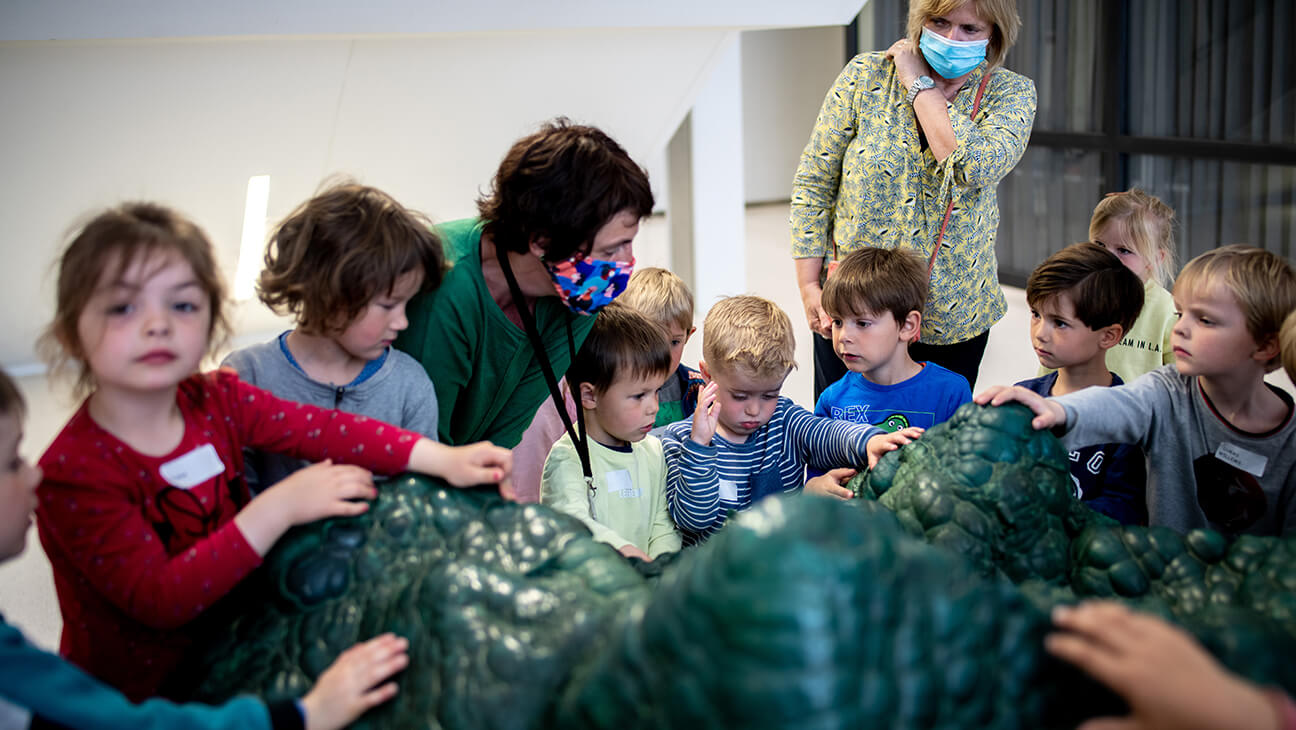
(676, 343)
(862, 323)
(1178, 314)
(738, 396)
(1124, 251)
(1034, 314)
(770, 396)
(120, 309)
(1060, 323)
(836, 323)
(185, 307)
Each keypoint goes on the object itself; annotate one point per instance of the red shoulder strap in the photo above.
(976, 107)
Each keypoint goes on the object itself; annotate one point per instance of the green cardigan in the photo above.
(488, 382)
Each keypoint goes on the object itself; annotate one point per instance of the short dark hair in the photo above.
(622, 342)
(1103, 290)
(877, 280)
(562, 184)
(339, 250)
(11, 399)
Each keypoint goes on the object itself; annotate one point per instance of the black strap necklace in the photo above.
(577, 433)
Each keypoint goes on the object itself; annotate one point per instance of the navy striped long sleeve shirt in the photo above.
(703, 483)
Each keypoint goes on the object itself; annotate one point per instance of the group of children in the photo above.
(168, 486)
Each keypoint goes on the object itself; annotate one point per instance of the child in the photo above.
(875, 300)
(344, 264)
(616, 375)
(1220, 442)
(1139, 229)
(663, 297)
(1082, 301)
(745, 441)
(143, 513)
(35, 682)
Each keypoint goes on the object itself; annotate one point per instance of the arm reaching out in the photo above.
(1048, 413)
(1165, 676)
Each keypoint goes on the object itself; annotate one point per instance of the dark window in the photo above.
(1191, 100)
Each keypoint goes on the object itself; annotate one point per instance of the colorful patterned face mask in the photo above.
(587, 285)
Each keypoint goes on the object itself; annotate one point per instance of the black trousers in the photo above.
(963, 358)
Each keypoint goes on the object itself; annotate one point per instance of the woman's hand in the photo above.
(807, 273)
(908, 61)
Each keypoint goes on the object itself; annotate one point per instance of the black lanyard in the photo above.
(577, 433)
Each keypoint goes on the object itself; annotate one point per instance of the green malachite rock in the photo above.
(923, 604)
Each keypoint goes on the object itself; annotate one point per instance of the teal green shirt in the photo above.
(488, 381)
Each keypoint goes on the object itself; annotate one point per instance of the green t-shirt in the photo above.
(488, 381)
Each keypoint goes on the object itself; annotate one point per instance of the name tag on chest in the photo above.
(728, 491)
(1236, 456)
(194, 468)
(619, 484)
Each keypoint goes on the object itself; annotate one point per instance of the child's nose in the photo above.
(157, 321)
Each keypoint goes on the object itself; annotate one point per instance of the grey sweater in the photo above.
(399, 393)
(1252, 490)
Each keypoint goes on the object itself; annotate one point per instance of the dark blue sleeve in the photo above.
(1123, 496)
(56, 691)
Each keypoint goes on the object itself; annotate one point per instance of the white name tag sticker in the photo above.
(193, 468)
(1236, 456)
(620, 484)
(728, 491)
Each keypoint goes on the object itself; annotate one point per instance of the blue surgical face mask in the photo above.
(951, 59)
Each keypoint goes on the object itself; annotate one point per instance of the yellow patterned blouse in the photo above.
(866, 179)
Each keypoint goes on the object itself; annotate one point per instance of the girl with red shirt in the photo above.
(144, 512)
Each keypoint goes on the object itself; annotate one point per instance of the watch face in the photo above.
(926, 82)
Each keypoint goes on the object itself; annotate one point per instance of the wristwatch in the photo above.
(922, 83)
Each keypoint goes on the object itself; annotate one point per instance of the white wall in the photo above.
(90, 123)
(786, 74)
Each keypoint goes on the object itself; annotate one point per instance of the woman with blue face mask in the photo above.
(908, 150)
(553, 243)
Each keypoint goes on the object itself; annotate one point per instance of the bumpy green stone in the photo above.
(921, 604)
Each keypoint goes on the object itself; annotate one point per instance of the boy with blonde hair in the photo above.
(745, 441)
(1220, 442)
(615, 378)
(875, 299)
(663, 298)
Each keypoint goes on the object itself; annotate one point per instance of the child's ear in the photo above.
(911, 326)
(1110, 336)
(588, 397)
(702, 368)
(1267, 351)
(689, 334)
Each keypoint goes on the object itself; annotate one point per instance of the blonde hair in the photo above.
(1147, 223)
(1263, 284)
(1287, 343)
(661, 296)
(1000, 14)
(748, 333)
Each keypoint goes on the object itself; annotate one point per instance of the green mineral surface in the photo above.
(922, 604)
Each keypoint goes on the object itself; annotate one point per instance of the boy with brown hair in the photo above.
(875, 298)
(615, 378)
(344, 264)
(1220, 442)
(1083, 300)
(745, 441)
(663, 297)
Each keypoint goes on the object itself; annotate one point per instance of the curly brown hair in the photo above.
(561, 185)
(339, 250)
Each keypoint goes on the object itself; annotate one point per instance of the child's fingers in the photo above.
(1094, 659)
(507, 491)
